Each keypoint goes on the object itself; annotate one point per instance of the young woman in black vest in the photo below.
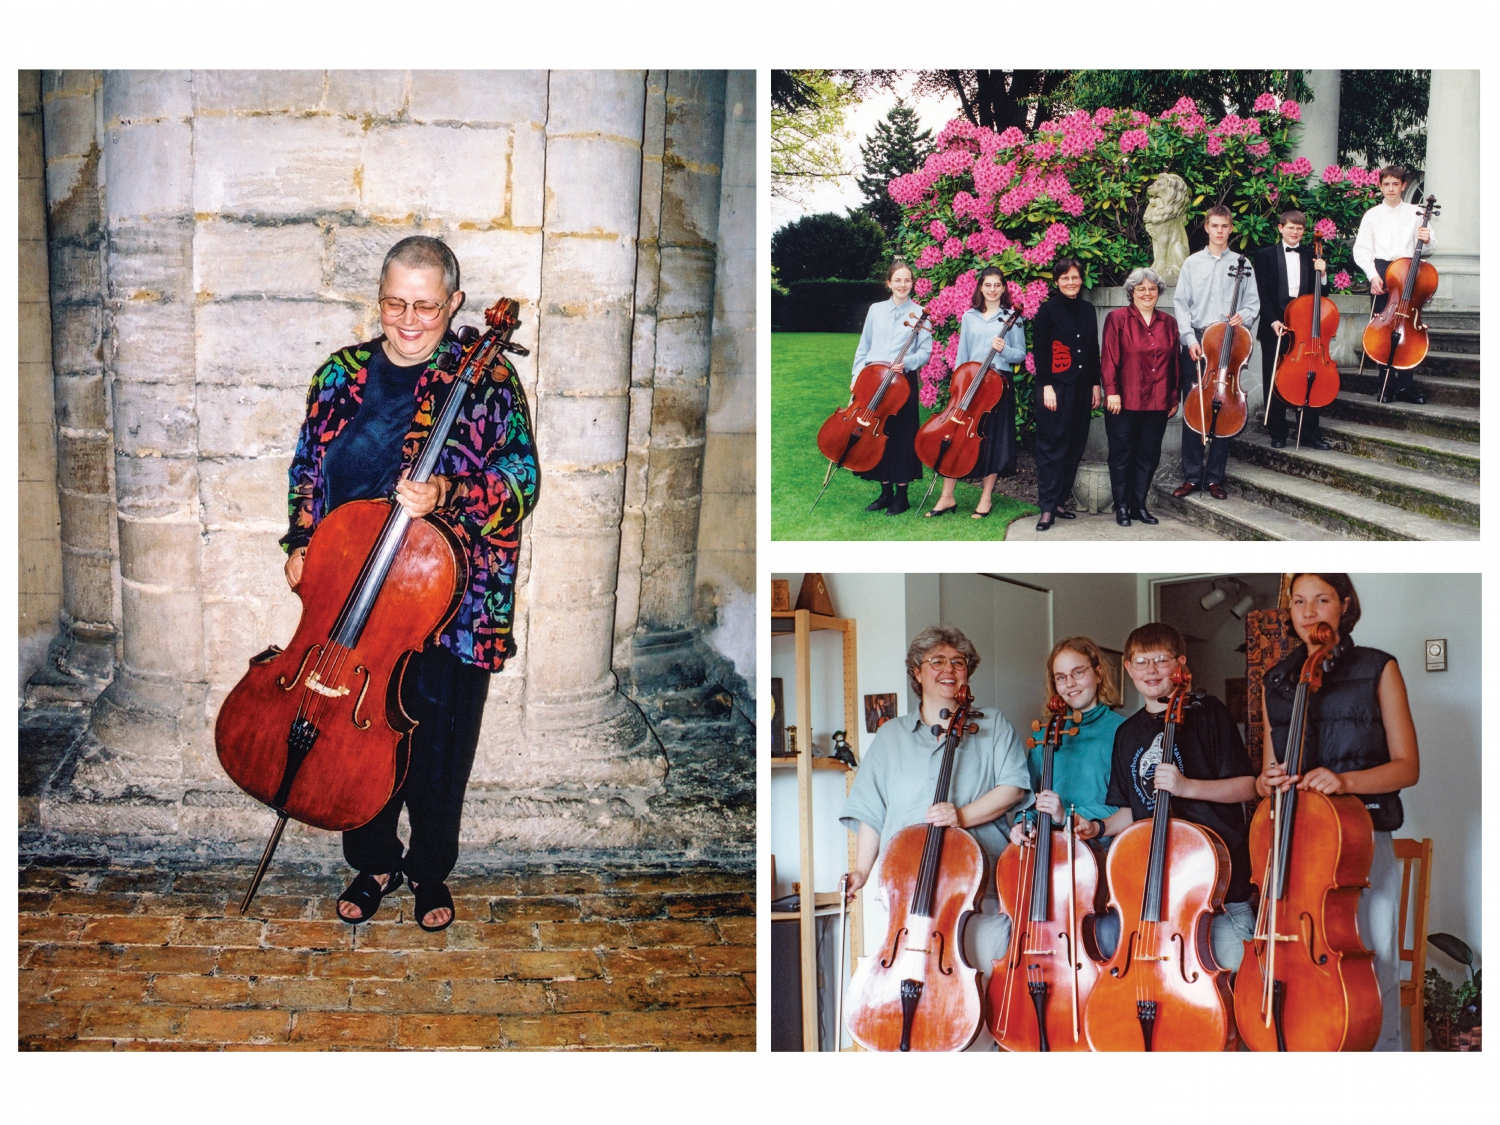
(1360, 740)
(1065, 347)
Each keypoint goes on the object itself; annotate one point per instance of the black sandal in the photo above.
(430, 897)
(365, 893)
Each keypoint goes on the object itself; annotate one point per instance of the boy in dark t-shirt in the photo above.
(1209, 776)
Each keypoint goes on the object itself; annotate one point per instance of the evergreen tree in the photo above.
(893, 149)
(827, 246)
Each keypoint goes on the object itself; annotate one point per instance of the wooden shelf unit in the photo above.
(803, 625)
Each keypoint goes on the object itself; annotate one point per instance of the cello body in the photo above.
(359, 755)
(1307, 375)
(948, 443)
(1331, 997)
(854, 436)
(1217, 405)
(1401, 319)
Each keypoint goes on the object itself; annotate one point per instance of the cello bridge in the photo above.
(1036, 953)
(317, 685)
(1151, 957)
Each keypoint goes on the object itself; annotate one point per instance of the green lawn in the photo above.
(809, 381)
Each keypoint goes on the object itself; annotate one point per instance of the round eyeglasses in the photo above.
(394, 308)
(938, 663)
(1076, 676)
(1143, 662)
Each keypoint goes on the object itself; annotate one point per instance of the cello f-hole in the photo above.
(1307, 939)
(281, 681)
(943, 966)
(886, 963)
(1182, 959)
(358, 703)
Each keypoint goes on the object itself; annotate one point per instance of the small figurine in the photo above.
(841, 749)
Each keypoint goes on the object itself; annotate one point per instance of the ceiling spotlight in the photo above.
(1212, 598)
(1243, 606)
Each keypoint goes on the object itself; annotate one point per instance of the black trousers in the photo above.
(1061, 437)
(1134, 452)
(1399, 380)
(446, 698)
(1192, 440)
(1278, 423)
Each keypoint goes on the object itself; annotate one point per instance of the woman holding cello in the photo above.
(1360, 740)
(1065, 342)
(887, 325)
(978, 335)
(369, 409)
(894, 787)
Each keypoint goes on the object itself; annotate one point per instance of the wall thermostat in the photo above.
(1437, 656)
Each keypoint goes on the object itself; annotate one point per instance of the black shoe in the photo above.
(1064, 514)
(1144, 516)
(365, 893)
(899, 503)
(948, 511)
(1122, 517)
(1278, 443)
(430, 897)
(887, 494)
(1320, 443)
(1411, 395)
(1045, 522)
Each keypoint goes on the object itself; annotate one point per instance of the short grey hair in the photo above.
(1138, 275)
(422, 253)
(929, 639)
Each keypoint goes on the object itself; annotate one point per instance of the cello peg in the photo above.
(1032, 743)
(1036, 724)
(944, 713)
(1076, 717)
(1071, 731)
(972, 728)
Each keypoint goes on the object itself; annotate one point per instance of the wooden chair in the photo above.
(1414, 892)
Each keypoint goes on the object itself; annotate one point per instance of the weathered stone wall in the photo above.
(217, 234)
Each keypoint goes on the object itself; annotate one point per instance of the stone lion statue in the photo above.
(1166, 222)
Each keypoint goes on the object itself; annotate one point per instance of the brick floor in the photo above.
(147, 957)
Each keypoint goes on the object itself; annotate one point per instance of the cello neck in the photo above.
(1042, 859)
(1317, 320)
(932, 850)
(1416, 254)
(1226, 349)
(895, 367)
(989, 363)
(1160, 823)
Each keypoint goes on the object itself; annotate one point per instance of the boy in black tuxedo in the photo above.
(1283, 272)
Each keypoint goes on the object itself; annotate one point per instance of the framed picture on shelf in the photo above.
(879, 709)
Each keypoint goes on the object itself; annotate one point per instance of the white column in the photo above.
(1453, 176)
(1319, 140)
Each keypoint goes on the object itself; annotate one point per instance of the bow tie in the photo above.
(1291, 249)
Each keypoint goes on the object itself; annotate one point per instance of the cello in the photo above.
(854, 436)
(1307, 376)
(1307, 983)
(1052, 962)
(917, 992)
(316, 730)
(948, 443)
(1167, 878)
(1216, 408)
(1396, 336)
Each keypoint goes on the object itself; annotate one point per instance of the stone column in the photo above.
(1453, 176)
(580, 731)
(155, 706)
(83, 658)
(1319, 140)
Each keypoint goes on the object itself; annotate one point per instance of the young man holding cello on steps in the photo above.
(1283, 272)
(1388, 231)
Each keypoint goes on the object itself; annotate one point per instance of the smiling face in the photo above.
(992, 287)
(1145, 297)
(941, 681)
(1291, 233)
(900, 285)
(1070, 283)
(1314, 600)
(1074, 678)
(1151, 671)
(409, 339)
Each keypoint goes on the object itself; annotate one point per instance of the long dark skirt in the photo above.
(899, 465)
(1061, 437)
(997, 433)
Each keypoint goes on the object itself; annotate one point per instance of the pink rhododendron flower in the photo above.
(1191, 124)
(1132, 139)
(934, 377)
(1214, 144)
(1291, 111)
(1260, 148)
(1103, 115)
(978, 242)
(1302, 166)
(1042, 150)
(1274, 193)
(937, 229)
(953, 248)
(1325, 228)
(1184, 104)
(929, 257)
(922, 287)
(1030, 362)
(1333, 174)
(950, 351)
(1139, 118)
(1012, 137)
(1265, 102)
(1342, 280)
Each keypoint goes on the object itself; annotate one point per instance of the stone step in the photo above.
(1444, 456)
(1435, 496)
(1460, 423)
(1349, 515)
(1438, 389)
(1451, 318)
(1464, 340)
(1237, 518)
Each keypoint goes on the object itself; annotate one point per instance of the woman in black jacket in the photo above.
(1065, 347)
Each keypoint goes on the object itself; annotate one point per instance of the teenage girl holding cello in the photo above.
(1363, 742)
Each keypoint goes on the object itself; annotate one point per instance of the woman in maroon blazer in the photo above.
(1138, 365)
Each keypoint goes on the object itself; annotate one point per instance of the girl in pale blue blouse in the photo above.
(977, 335)
(886, 329)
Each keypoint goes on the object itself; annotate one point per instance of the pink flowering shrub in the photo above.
(1325, 228)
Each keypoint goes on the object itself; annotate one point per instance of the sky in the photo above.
(860, 121)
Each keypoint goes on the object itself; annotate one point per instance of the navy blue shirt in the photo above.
(364, 461)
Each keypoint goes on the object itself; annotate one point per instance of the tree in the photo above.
(807, 126)
(1155, 91)
(893, 149)
(997, 99)
(827, 246)
(1383, 116)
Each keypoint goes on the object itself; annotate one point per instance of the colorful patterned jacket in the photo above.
(489, 457)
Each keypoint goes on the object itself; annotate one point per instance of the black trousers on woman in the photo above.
(1061, 437)
(446, 698)
(1134, 452)
(899, 464)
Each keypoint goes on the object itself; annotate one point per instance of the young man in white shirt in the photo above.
(1389, 231)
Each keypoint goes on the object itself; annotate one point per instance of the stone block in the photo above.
(73, 195)
(406, 173)
(147, 95)
(155, 419)
(88, 586)
(732, 527)
(86, 520)
(31, 215)
(77, 338)
(80, 401)
(677, 415)
(29, 93)
(582, 274)
(580, 502)
(687, 282)
(35, 452)
(32, 288)
(149, 170)
(729, 463)
(257, 91)
(244, 490)
(499, 262)
(676, 476)
(231, 634)
(154, 487)
(36, 406)
(365, 93)
(582, 430)
(242, 564)
(528, 164)
(355, 256)
(69, 125)
(271, 343)
(58, 83)
(151, 261)
(605, 102)
(731, 397)
(690, 207)
(37, 520)
(276, 166)
(683, 349)
(153, 342)
(237, 259)
(31, 158)
(163, 633)
(160, 553)
(248, 421)
(83, 462)
(499, 96)
(75, 271)
(577, 167)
